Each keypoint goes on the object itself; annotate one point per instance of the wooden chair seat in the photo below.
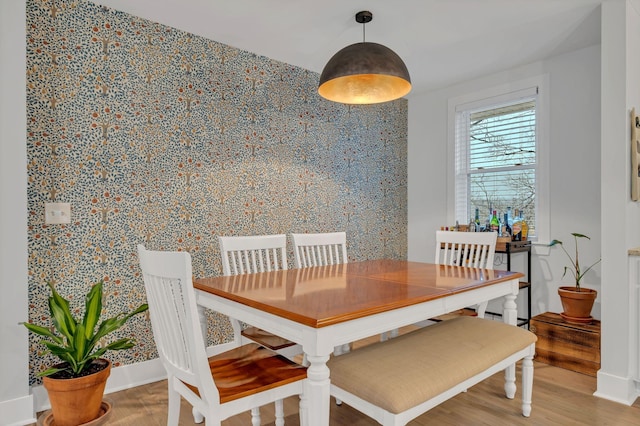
(250, 369)
(399, 379)
(266, 339)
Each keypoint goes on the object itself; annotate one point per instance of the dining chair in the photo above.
(249, 255)
(471, 249)
(329, 248)
(231, 382)
(253, 253)
(321, 249)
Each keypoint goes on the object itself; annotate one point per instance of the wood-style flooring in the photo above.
(560, 397)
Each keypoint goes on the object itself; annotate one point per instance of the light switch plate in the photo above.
(56, 213)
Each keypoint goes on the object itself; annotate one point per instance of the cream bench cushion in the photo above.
(404, 372)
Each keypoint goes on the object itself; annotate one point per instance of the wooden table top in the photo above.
(326, 295)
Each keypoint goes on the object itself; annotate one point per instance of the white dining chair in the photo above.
(472, 249)
(221, 386)
(321, 249)
(251, 254)
(329, 248)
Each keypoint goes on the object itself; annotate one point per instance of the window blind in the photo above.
(496, 159)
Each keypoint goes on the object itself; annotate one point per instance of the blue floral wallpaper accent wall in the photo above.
(162, 137)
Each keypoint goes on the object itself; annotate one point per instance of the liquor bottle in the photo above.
(495, 223)
(524, 227)
(507, 226)
(477, 220)
(516, 228)
(472, 225)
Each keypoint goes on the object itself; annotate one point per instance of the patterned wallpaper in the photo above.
(158, 136)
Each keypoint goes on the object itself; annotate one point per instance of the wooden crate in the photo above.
(574, 347)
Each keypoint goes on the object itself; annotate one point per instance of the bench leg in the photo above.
(510, 381)
(527, 384)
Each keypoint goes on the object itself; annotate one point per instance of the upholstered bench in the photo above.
(397, 380)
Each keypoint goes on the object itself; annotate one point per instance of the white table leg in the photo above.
(510, 316)
(510, 310)
(317, 391)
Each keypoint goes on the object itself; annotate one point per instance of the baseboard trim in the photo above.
(18, 411)
(617, 389)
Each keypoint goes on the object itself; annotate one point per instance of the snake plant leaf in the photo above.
(80, 342)
(65, 354)
(69, 321)
(93, 308)
(107, 326)
(98, 353)
(59, 319)
(112, 324)
(137, 311)
(49, 371)
(43, 331)
(58, 349)
(121, 344)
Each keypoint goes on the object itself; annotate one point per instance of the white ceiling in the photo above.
(441, 41)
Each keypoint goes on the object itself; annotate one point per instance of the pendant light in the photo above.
(364, 73)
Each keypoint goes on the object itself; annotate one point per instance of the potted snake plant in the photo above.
(577, 301)
(76, 385)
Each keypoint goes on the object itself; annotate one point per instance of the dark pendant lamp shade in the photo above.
(364, 73)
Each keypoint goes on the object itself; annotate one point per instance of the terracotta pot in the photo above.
(77, 401)
(577, 305)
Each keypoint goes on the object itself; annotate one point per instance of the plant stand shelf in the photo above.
(574, 347)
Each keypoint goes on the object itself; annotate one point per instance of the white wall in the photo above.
(16, 405)
(620, 216)
(574, 164)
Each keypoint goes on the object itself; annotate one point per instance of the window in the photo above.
(497, 147)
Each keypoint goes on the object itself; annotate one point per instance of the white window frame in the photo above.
(495, 96)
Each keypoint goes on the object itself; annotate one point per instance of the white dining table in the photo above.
(327, 306)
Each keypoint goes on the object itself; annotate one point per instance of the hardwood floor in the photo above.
(560, 397)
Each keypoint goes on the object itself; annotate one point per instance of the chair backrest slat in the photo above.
(253, 253)
(473, 249)
(321, 249)
(176, 328)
